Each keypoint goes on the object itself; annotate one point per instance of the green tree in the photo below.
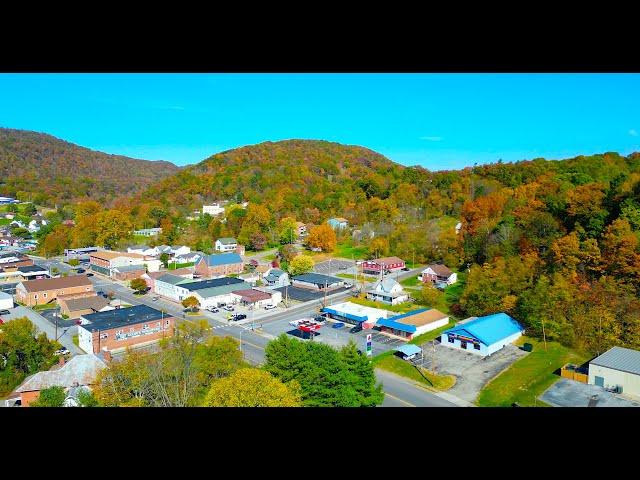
(251, 387)
(301, 264)
(86, 399)
(287, 229)
(50, 397)
(362, 376)
(74, 262)
(29, 209)
(164, 258)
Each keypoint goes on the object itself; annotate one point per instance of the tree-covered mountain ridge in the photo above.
(49, 170)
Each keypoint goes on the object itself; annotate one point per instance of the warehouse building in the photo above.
(483, 335)
(618, 367)
(411, 324)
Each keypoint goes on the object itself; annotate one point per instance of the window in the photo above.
(451, 339)
(44, 295)
(167, 323)
(35, 295)
(476, 346)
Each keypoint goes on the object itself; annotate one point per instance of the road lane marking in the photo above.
(399, 399)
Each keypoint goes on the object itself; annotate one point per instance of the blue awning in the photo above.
(390, 323)
(408, 349)
(349, 316)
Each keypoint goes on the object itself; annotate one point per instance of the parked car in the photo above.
(356, 329)
(213, 309)
(228, 308)
(101, 293)
(4, 312)
(154, 299)
(62, 351)
(81, 270)
(78, 322)
(238, 316)
(89, 274)
(269, 307)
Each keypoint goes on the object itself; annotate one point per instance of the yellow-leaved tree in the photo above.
(322, 237)
(251, 387)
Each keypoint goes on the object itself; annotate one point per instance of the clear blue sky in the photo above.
(435, 120)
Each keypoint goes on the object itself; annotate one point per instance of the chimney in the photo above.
(106, 354)
(61, 360)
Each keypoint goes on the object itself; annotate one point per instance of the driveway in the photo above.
(569, 393)
(472, 371)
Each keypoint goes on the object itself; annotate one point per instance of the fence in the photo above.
(573, 372)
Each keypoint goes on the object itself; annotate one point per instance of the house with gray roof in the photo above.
(277, 278)
(387, 291)
(81, 370)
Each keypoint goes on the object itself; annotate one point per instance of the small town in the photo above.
(308, 273)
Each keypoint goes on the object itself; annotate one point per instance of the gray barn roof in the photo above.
(618, 358)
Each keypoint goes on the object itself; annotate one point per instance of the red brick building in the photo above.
(115, 330)
(385, 265)
(221, 264)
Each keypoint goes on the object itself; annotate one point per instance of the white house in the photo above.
(226, 244)
(148, 232)
(182, 250)
(387, 291)
(144, 250)
(437, 273)
(215, 209)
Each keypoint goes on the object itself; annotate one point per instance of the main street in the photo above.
(398, 391)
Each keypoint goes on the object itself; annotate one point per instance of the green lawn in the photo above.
(530, 376)
(350, 277)
(348, 250)
(453, 292)
(401, 308)
(5, 221)
(175, 266)
(411, 282)
(403, 368)
(270, 257)
(75, 341)
(427, 337)
(45, 306)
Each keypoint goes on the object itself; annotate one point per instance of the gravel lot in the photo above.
(472, 371)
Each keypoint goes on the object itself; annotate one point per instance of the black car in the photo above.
(238, 316)
(356, 329)
(89, 274)
(5, 312)
(81, 270)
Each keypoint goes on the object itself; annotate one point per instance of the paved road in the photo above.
(399, 392)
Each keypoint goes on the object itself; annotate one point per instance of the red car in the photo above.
(78, 322)
(1, 321)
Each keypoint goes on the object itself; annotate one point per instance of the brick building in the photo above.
(108, 262)
(115, 330)
(217, 265)
(38, 292)
(384, 265)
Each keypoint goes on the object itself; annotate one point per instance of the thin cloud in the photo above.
(633, 133)
(431, 139)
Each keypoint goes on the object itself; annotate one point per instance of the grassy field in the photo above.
(411, 282)
(348, 250)
(401, 308)
(403, 368)
(453, 292)
(530, 376)
(175, 266)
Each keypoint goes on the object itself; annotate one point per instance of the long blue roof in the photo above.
(488, 329)
(222, 259)
(350, 316)
(390, 323)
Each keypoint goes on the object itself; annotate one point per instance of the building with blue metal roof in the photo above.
(483, 335)
(411, 324)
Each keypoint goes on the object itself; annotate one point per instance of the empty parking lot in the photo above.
(332, 266)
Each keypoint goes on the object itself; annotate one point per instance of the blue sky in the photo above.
(439, 121)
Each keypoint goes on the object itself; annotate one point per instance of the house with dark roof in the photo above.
(220, 264)
(19, 274)
(115, 330)
(317, 281)
(617, 367)
(438, 274)
(483, 335)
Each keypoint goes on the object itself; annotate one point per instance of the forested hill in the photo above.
(49, 170)
(288, 176)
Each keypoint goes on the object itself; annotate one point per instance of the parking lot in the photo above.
(569, 393)
(332, 266)
(472, 371)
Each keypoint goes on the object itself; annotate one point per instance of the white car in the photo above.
(213, 309)
(62, 351)
(269, 307)
(228, 308)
